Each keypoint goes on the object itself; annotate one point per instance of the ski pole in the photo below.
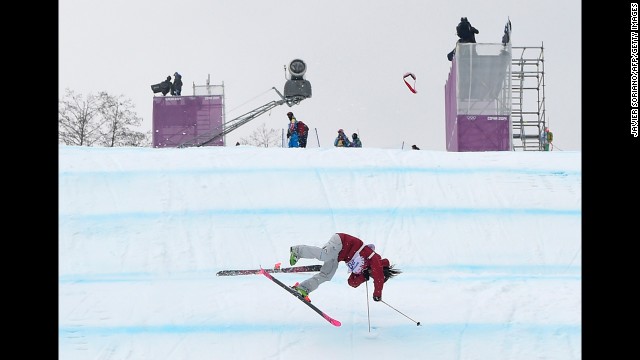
(368, 317)
(417, 322)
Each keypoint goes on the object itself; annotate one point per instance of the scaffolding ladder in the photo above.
(528, 113)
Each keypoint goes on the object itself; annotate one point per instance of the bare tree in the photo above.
(119, 116)
(78, 119)
(263, 137)
(99, 120)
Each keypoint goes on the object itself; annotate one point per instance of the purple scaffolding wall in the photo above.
(477, 100)
(177, 119)
(450, 110)
(482, 133)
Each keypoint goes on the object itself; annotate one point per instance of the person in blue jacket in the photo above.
(355, 142)
(292, 132)
(341, 140)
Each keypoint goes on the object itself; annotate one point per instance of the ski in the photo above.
(331, 320)
(295, 269)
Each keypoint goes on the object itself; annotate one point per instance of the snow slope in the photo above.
(490, 246)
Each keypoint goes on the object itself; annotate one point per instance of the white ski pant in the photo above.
(328, 254)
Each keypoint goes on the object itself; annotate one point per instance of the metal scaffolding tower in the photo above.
(209, 89)
(527, 94)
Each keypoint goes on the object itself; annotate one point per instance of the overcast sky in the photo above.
(356, 51)
(489, 244)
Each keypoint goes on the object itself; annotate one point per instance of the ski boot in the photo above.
(300, 290)
(293, 257)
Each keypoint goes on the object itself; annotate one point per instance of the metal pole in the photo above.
(368, 317)
(417, 322)
(316, 129)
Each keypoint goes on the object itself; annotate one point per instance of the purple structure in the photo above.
(478, 99)
(177, 119)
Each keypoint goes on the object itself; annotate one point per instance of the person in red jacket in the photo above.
(362, 262)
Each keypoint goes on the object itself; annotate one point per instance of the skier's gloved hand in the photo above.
(365, 273)
(377, 298)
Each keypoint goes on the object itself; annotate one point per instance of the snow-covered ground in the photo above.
(490, 246)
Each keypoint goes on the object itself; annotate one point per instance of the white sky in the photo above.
(490, 246)
(356, 52)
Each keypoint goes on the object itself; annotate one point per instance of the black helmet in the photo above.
(355, 136)
(289, 114)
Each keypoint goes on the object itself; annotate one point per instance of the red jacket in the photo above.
(350, 245)
(302, 129)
